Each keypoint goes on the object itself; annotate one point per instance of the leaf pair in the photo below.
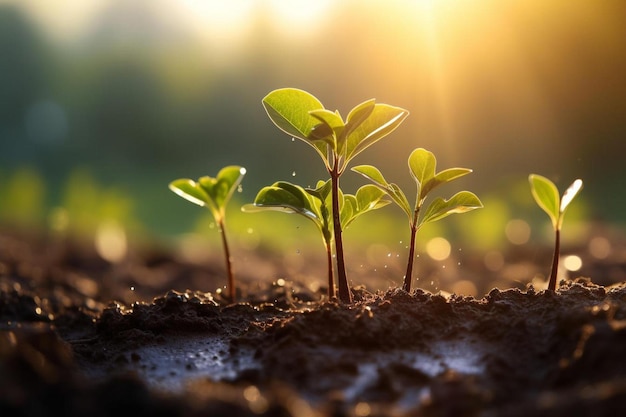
(547, 197)
(213, 193)
(303, 116)
(315, 204)
(422, 166)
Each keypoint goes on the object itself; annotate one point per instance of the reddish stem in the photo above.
(409, 269)
(229, 268)
(331, 283)
(555, 261)
(342, 280)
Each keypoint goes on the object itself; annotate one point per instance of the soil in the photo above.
(67, 347)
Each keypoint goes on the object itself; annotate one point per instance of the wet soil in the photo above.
(67, 347)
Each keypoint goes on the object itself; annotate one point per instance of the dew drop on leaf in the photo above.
(293, 174)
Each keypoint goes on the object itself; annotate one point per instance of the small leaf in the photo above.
(358, 115)
(443, 177)
(547, 197)
(288, 198)
(569, 194)
(383, 120)
(461, 202)
(189, 190)
(422, 166)
(289, 109)
(376, 177)
(373, 174)
(369, 197)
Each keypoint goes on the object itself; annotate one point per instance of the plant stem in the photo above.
(409, 265)
(331, 283)
(409, 268)
(555, 261)
(342, 280)
(229, 268)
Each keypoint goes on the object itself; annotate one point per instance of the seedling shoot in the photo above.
(214, 194)
(422, 165)
(547, 197)
(336, 141)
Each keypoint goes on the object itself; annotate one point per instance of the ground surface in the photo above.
(66, 348)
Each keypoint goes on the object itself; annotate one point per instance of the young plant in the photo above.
(547, 197)
(214, 194)
(336, 141)
(314, 205)
(422, 165)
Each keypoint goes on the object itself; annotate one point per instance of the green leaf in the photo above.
(461, 202)
(213, 193)
(369, 197)
(290, 110)
(359, 114)
(382, 120)
(189, 190)
(422, 166)
(547, 197)
(443, 177)
(373, 174)
(221, 188)
(376, 177)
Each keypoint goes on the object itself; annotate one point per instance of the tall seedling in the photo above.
(214, 194)
(422, 165)
(336, 141)
(547, 197)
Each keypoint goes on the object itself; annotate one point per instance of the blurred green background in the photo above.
(103, 102)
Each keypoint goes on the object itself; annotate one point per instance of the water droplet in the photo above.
(132, 288)
(385, 266)
(459, 263)
(432, 282)
(293, 139)
(389, 255)
(443, 266)
(293, 174)
(240, 188)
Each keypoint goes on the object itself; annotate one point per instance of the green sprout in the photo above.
(214, 194)
(422, 165)
(547, 197)
(337, 142)
(314, 205)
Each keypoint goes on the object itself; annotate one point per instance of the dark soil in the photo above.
(286, 350)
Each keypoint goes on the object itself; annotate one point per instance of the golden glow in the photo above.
(600, 247)
(517, 231)
(110, 242)
(572, 263)
(438, 248)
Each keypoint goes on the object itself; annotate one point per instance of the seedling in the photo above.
(314, 205)
(214, 194)
(422, 165)
(547, 197)
(337, 142)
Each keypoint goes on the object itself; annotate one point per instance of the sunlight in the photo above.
(298, 16)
